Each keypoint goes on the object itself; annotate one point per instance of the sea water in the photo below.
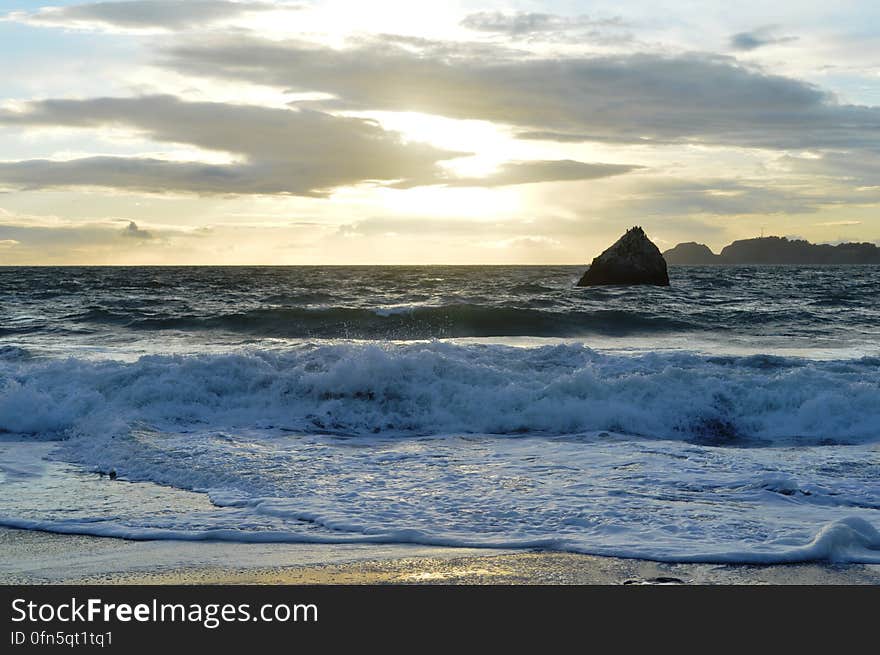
(732, 417)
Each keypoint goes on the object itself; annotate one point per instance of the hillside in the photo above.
(772, 250)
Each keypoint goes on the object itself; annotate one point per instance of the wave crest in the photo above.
(441, 388)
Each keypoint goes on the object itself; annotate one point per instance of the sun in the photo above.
(484, 146)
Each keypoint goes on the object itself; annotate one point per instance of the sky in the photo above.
(399, 132)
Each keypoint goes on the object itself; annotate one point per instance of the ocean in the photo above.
(731, 417)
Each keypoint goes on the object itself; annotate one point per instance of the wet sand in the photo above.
(28, 557)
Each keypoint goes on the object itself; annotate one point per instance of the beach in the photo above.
(32, 557)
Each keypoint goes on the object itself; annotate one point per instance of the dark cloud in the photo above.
(300, 152)
(135, 14)
(758, 38)
(279, 151)
(133, 173)
(624, 99)
(132, 231)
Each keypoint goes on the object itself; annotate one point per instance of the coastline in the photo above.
(30, 557)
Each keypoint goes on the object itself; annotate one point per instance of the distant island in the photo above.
(772, 250)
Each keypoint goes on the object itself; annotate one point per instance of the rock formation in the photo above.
(691, 254)
(773, 251)
(633, 259)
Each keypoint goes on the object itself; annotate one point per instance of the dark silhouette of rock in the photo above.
(773, 251)
(779, 250)
(633, 259)
(691, 254)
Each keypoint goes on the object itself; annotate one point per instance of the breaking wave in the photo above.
(441, 387)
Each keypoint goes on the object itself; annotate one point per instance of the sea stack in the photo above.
(633, 259)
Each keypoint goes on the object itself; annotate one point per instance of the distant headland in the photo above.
(772, 250)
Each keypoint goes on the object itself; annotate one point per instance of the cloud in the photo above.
(863, 170)
(454, 227)
(564, 170)
(132, 231)
(572, 233)
(531, 172)
(40, 238)
(718, 197)
(132, 173)
(574, 137)
(143, 14)
(542, 26)
(692, 98)
(838, 223)
(280, 151)
(763, 36)
(531, 242)
(53, 239)
(529, 22)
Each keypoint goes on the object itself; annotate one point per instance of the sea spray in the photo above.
(437, 387)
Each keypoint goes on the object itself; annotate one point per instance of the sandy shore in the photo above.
(28, 557)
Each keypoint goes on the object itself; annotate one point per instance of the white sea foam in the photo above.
(438, 387)
(392, 310)
(607, 495)
(441, 444)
